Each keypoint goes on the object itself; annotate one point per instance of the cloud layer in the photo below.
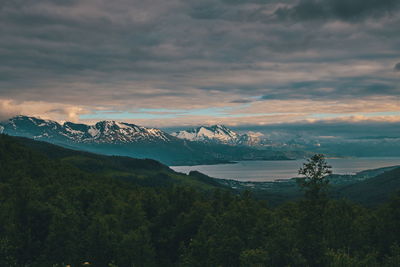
(230, 61)
(347, 10)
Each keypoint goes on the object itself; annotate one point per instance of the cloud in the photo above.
(339, 88)
(239, 2)
(332, 128)
(397, 67)
(242, 101)
(75, 57)
(347, 10)
(55, 111)
(7, 109)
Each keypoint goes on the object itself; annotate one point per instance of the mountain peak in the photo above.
(107, 131)
(220, 134)
(220, 126)
(30, 119)
(24, 117)
(214, 133)
(114, 132)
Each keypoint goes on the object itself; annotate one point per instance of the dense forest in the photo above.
(55, 213)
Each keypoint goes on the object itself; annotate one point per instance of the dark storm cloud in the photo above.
(55, 41)
(242, 101)
(332, 128)
(349, 10)
(239, 2)
(123, 52)
(341, 88)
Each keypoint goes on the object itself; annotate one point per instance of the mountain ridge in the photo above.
(125, 139)
(106, 131)
(222, 135)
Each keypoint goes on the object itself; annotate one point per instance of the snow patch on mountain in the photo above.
(112, 132)
(101, 133)
(221, 134)
(215, 133)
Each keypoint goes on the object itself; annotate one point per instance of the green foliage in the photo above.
(344, 259)
(315, 173)
(55, 212)
(393, 259)
(254, 257)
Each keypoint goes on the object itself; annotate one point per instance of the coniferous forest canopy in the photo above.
(200, 133)
(54, 212)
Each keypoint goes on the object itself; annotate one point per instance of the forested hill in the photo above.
(62, 207)
(143, 172)
(374, 190)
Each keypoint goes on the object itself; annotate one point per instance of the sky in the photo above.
(181, 63)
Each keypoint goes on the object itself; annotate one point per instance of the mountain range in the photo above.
(221, 135)
(204, 145)
(103, 132)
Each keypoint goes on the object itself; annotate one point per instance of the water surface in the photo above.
(262, 171)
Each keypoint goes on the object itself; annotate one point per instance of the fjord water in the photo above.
(262, 171)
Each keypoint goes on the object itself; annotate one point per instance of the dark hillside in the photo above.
(374, 190)
(64, 207)
(145, 172)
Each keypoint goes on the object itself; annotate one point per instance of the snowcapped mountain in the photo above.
(222, 135)
(116, 132)
(125, 139)
(109, 132)
(215, 133)
(253, 139)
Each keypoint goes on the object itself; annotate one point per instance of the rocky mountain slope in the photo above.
(222, 135)
(125, 139)
(109, 132)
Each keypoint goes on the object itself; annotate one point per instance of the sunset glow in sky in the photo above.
(185, 62)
